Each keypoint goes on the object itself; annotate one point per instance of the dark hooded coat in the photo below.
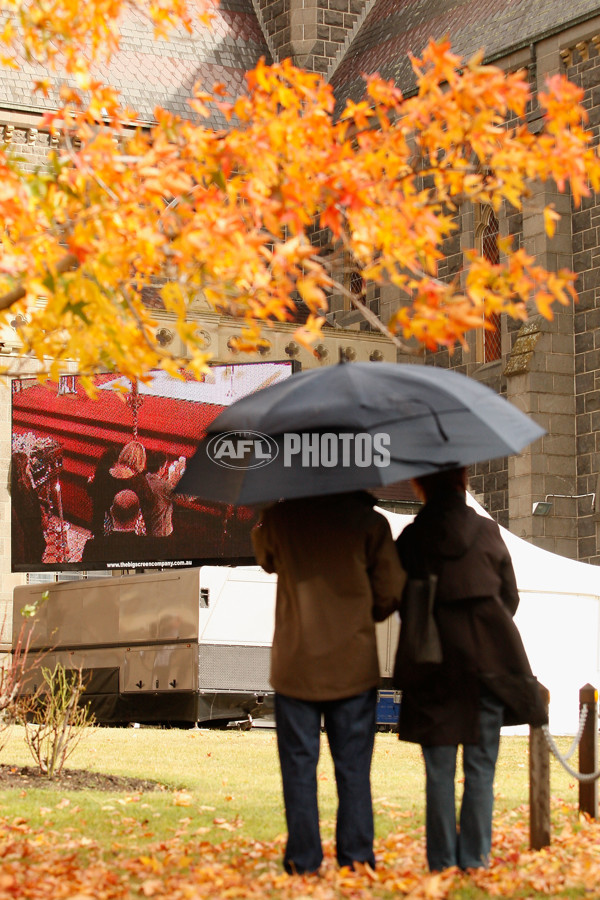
(476, 600)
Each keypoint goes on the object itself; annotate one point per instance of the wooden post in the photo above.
(539, 784)
(588, 751)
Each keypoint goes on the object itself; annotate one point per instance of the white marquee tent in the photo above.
(559, 621)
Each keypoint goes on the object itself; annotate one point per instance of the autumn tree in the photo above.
(227, 216)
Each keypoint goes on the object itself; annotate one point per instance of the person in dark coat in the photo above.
(122, 543)
(28, 541)
(485, 680)
(101, 489)
(128, 473)
(338, 573)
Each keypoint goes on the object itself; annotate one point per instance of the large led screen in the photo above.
(92, 480)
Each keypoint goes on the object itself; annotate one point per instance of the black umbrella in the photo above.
(351, 426)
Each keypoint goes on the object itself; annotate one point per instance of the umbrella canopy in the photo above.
(352, 426)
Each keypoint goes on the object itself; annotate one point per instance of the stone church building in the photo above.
(549, 369)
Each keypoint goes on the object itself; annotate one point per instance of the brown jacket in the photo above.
(338, 573)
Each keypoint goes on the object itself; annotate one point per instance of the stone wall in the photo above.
(550, 369)
(488, 481)
(582, 62)
(28, 143)
(7, 580)
(309, 32)
(32, 146)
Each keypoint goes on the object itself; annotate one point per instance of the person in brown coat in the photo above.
(485, 679)
(338, 573)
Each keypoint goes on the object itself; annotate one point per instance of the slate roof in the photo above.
(393, 28)
(151, 73)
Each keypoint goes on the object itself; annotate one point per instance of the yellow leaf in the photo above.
(150, 887)
(551, 217)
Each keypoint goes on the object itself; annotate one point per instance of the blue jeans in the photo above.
(350, 727)
(470, 846)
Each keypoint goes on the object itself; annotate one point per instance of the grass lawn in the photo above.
(222, 792)
(234, 775)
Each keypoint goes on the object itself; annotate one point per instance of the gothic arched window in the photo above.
(492, 338)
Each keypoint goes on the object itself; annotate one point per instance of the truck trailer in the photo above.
(182, 647)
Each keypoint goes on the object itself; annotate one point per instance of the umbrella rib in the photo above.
(391, 418)
(409, 461)
(433, 412)
(436, 419)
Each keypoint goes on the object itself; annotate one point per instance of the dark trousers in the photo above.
(469, 848)
(350, 728)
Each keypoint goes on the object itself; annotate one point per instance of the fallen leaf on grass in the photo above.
(226, 825)
(151, 887)
(45, 865)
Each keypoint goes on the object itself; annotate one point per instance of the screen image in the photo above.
(93, 480)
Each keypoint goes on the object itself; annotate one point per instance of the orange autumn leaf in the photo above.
(218, 861)
(228, 219)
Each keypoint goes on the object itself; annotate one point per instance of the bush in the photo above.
(56, 722)
(13, 670)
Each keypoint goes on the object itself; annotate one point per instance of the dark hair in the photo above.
(444, 482)
(125, 507)
(19, 475)
(155, 459)
(106, 460)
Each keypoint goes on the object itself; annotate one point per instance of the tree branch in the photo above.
(69, 261)
(375, 321)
